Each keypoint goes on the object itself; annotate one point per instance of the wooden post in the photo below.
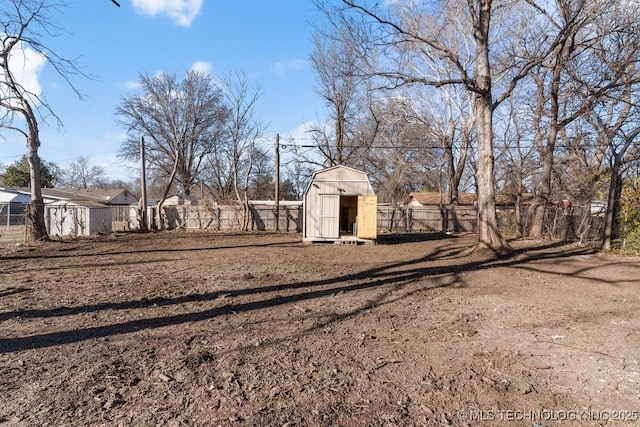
(143, 188)
(277, 183)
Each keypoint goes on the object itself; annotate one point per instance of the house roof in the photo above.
(464, 199)
(83, 203)
(95, 195)
(11, 195)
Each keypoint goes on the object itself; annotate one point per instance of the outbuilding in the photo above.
(340, 206)
(78, 218)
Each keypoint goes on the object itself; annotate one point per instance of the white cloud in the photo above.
(283, 67)
(300, 133)
(201, 67)
(26, 65)
(182, 12)
(132, 85)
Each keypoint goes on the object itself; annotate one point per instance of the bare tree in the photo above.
(298, 175)
(574, 81)
(80, 174)
(244, 129)
(400, 158)
(554, 111)
(451, 127)
(335, 63)
(516, 160)
(182, 122)
(261, 181)
(617, 115)
(24, 26)
(409, 42)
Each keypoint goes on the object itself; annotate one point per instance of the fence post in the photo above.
(392, 218)
(444, 216)
(286, 212)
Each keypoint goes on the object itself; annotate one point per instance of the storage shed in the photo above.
(339, 205)
(77, 218)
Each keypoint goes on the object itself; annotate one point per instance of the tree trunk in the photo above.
(489, 236)
(544, 197)
(563, 52)
(459, 170)
(36, 227)
(518, 217)
(246, 213)
(160, 217)
(452, 190)
(612, 203)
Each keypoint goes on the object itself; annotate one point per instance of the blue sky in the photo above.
(269, 40)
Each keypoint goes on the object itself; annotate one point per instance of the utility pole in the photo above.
(143, 188)
(277, 182)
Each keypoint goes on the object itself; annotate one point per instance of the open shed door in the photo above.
(367, 221)
(329, 216)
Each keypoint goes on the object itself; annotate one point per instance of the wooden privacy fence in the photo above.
(457, 219)
(229, 217)
(578, 223)
(575, 224)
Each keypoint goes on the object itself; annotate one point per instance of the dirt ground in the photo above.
(262, 330)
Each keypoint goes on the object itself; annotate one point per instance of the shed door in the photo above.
(367, 221)
(329, 216)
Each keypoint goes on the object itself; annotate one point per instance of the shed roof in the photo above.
(96, 195)
(83, 203)
(339, 173)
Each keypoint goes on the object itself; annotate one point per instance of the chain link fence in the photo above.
(13, 222)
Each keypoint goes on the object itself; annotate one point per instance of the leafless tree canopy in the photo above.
(531, 96)
(183, 121)
(81, 174)
(25, 25)
(244, 129)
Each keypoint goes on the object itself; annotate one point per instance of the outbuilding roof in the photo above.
(105, 197)
(337, 173)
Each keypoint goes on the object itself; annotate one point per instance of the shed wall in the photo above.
(73, 220)
(322, 199)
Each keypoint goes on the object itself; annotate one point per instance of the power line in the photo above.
(294, 145)
(87, 156)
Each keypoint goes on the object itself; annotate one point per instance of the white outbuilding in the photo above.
(339, 205)
(78, 218)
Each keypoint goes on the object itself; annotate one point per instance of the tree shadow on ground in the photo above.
(400, 238)
(397, 275)
(13, 291)
(67, 253)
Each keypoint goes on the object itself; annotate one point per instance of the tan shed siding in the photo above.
(367, 217)
(327, 186)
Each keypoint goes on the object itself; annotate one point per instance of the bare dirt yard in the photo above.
(183, 329)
